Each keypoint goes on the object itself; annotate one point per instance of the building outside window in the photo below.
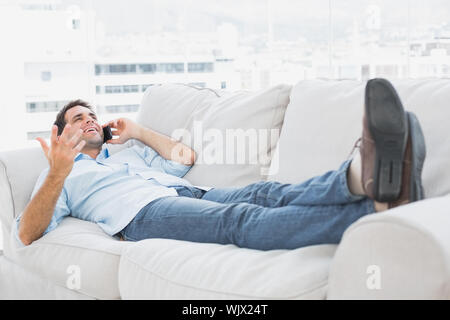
(46, 76)
(45, 106)
(76, 24)
(147, 68)
(121, 108)
(201, 67)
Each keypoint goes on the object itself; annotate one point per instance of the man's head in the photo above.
(81, 115)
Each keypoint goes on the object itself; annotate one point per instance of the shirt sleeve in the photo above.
(154, 160)
(61, 209)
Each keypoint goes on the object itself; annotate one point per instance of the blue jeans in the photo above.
(263, 215)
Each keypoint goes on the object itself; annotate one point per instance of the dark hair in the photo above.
(60, 117)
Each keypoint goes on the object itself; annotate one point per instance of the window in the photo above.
(75, 24)
(248, 45)
(46, 76)
(147, 68)
(122, 68)
(31, 107)
(170, 67)
(45, 106)
(121, 108)
(114, 68)
(145, 86)
(113, 89)
(200, 67)
(120, 89)
(133, 88)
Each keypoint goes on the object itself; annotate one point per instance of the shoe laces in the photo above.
(356, 145)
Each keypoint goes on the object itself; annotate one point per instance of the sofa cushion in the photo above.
(204, 119)
(75, 247)
(324, 119)
(17, 283)
(173, 269)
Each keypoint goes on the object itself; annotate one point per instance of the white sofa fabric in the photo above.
(206, 115)
(173, 269)
(18, 283)
(319, 120)
(402, 253)
(75, 246)
(324, 120)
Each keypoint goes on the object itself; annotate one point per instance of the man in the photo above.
(139, 193)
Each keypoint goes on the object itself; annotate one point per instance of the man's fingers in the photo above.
(44, 146)
(112, 123)
(114, 141)
(76, 137)
(54, 135)
(64, 137)
(79, 146)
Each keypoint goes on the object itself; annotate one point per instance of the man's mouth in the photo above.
(90, 130)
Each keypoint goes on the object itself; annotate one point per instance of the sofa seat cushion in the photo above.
(77, 255)
(173, 269)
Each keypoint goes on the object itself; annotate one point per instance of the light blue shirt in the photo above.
(110, 190)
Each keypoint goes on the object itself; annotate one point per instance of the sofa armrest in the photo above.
(402, 253)
(19, 170)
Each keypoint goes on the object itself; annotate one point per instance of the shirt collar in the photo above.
(104, 153)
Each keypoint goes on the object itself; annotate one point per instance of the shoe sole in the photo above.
(418, 151)
(387, 123)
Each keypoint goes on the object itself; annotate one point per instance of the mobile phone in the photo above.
(107, 134)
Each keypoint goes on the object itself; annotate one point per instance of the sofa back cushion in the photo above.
(324, 119)
(233, 133)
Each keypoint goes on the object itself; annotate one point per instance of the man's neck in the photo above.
(93, 153)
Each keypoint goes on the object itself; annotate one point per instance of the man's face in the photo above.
(82, 118)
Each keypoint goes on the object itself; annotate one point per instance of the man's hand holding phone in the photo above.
(62, 150)
(124, 128)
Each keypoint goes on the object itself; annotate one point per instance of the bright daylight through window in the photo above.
(110, 52)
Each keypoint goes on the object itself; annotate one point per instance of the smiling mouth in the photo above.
(91, 130)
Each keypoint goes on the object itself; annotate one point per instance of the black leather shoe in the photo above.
(385, 135)
(412, 189)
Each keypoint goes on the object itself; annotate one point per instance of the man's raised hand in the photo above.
(62, 150)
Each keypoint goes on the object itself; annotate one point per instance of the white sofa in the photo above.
(403, 253)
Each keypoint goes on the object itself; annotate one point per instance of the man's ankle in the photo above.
(380, 206)
(354, 176)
